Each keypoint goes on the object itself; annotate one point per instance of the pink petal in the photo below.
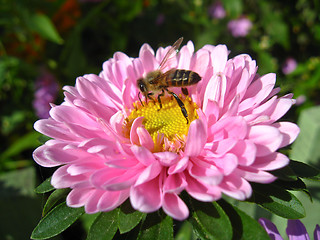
(143, 155)
(134, 137)
(144, 138)
(206, 173)
(91, 205)
(219, 57)
(227, 163)
(174, 183)
(196, 139)
(149, 173)
(245, 150)
(62, 179)
(267, 139)
(54, 130)
(200, 191)
(236, 187)
(175, 207)
(167, 158)
(78, 197)
(112, 199)
(254, 175)
(113, 179)
(180, 166)
(146, 197)
(271, 162)
(289, 131)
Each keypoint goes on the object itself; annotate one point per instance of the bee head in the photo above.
(141, 85)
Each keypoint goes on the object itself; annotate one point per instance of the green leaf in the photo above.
(278, 201)
(41, 24)
(128, 217)
(244, 227)
(105, 226)
(28, 141)
(209, 220)
(58, 220)
(156, 226)
(285, 173)
(306, 147)
(45, 186)
(185, 232)
(54, 198)
(304, 170)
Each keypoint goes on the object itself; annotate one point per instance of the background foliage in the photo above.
(69, 38)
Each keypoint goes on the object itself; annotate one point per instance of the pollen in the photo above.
(167, 121)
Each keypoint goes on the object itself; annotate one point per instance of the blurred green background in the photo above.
(45, 45)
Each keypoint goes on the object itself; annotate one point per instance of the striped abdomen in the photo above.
(181, 78)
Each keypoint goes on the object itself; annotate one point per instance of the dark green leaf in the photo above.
(185, 232)
(41, 24)
(128, 217)
(304, 170)
(28, 141)
(285, 173)
(58, 220)
(45, 186)
(244, 227)
(278, 201)
(156, 226)
(54, 198)
(105, 226)
(209, 220)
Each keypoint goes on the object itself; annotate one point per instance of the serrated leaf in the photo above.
(304, 170)
(54, 198)
(206, 215)
(128, 217)
(156, 226)
(58, 220)
(244, 227)
(45, 186)
(41, 24)
(105, 226)
(278, 201)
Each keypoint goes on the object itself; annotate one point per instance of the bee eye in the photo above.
(142, 88)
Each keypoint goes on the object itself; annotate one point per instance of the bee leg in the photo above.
(185, 91)
(159, 100)
(181, 105)
(140, 99)
(149, 96)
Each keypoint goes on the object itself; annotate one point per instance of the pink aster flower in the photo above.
(109, 146)
(295, 230)
(240, 27)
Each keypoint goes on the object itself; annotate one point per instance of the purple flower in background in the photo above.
(289, 65)
(46, 89)
(240, 27)
(216, 10)
(295, 230)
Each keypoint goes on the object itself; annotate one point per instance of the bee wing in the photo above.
(170, 54)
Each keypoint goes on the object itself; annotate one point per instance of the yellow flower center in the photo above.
(167, 121)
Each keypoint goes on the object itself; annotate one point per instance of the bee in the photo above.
(158, 81)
